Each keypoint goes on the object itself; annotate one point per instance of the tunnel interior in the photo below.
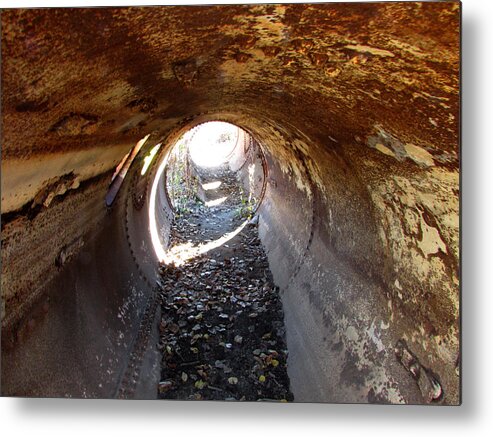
(348, 115)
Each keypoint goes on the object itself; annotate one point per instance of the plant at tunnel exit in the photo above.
(247, 206)
(181, 183)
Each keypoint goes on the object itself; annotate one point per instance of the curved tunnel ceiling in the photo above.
(356, 107)
(75, 79)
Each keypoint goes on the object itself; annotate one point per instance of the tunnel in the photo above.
(355, 108)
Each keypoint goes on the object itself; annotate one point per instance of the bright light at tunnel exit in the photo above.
(212, 143)
(211, 185)
(179, 254)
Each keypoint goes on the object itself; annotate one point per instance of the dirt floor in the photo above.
(222, 332)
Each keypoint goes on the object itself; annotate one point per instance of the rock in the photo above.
(165, 386)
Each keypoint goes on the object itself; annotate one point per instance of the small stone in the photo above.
(165, 386)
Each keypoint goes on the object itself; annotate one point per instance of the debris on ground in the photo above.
(222, 333)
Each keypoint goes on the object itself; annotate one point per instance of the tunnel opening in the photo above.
(206, 153)
(216, 171)
(221, 333)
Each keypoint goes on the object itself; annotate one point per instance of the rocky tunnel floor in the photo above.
(222, 332)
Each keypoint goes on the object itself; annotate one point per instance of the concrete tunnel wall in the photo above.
(357, 113)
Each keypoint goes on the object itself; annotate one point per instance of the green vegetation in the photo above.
(247, 207)
(181, 183)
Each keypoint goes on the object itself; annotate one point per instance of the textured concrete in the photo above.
(72, 332)
(248, 161)
(356, 107)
